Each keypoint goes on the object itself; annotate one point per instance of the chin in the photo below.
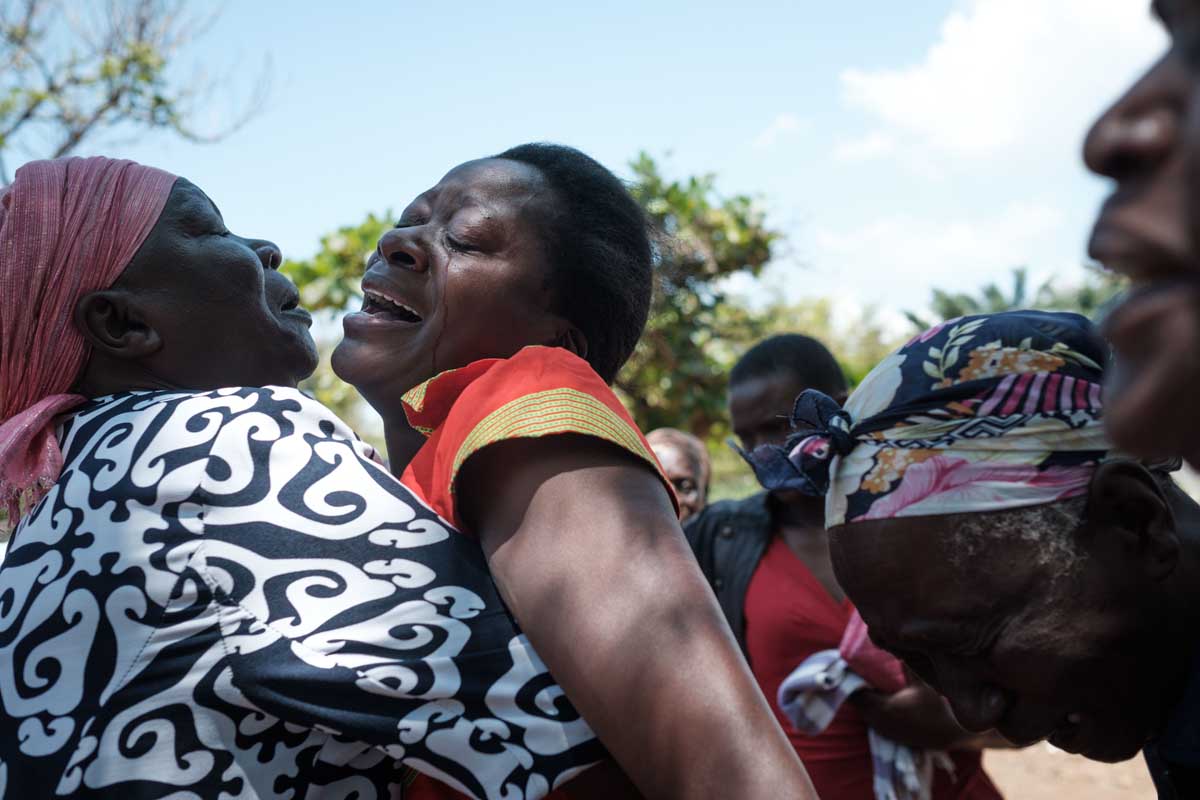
(373, 375)
(1121, 745)
(346, 362)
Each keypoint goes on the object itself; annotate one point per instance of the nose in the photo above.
(1140, 130)
(268, 253)
(399, 248)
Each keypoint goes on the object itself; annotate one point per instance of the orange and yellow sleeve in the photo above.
(541, 391)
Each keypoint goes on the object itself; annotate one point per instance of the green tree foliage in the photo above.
(329, 280)
(69, 70)
(859, 341)
(329, 283)
(1088, 298)
(676, 377)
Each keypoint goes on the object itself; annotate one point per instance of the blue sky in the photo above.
(898, 145)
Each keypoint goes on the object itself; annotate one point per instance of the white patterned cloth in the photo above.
(224, 595)
(810, 698)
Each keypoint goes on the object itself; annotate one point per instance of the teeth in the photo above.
(380, 300)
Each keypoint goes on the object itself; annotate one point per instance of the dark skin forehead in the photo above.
(916, 592)
(496, 188)
(188, 213)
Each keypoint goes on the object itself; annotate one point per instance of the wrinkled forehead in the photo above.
(498, 186)
(913, 568)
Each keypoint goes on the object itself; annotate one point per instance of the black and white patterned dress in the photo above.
(225, 596)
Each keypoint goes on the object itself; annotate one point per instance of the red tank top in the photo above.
(789, 616)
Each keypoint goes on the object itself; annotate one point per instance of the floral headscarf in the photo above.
(980, 413)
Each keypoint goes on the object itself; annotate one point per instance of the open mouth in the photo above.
(377, 305)
(290, 307)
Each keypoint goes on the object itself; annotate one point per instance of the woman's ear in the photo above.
(1129, 520)
(112, 323)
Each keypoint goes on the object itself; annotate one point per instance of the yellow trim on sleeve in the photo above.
(415, 397)
(551, 412)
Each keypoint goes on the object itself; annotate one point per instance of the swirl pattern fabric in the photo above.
(225, 595)
(981, 413)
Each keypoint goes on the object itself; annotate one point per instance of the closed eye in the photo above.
(460, 246)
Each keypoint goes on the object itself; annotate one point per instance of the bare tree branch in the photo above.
(71, 70)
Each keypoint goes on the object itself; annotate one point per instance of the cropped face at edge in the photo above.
(463, 276)
(1016, 641)
(1140, 143)
(200, 307)
(1148, 144)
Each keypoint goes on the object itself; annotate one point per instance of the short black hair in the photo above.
(598, 242)
(805, 358)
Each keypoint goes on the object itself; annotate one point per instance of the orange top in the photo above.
(540, 391)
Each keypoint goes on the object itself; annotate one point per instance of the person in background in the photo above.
(767, 559)
(993, 539)
(1148, 144)
(685, 462)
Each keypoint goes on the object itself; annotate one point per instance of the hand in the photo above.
(1151, 392)
(916, 716)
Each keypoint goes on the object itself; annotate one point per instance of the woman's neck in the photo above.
(104, 376)
(402, 441)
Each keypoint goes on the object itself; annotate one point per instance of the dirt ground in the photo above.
(1043, 773)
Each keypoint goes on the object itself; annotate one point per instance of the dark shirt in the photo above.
(729, 538)
(1174, 757)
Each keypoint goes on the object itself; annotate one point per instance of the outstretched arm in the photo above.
(585, 548)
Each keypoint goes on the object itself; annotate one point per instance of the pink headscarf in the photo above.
(67, 227)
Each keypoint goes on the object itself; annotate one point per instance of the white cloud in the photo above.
(1005, 74)
(865, 148)
(896, 259)
(784, 125)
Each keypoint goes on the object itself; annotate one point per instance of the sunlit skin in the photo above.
(685, 475)
(1093, 660)
(197, 308)
(1148, 144)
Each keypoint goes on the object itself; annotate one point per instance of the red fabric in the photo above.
(880, 668)
(456, 402)
(67, 227)
(789, 617)
(425, 788)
